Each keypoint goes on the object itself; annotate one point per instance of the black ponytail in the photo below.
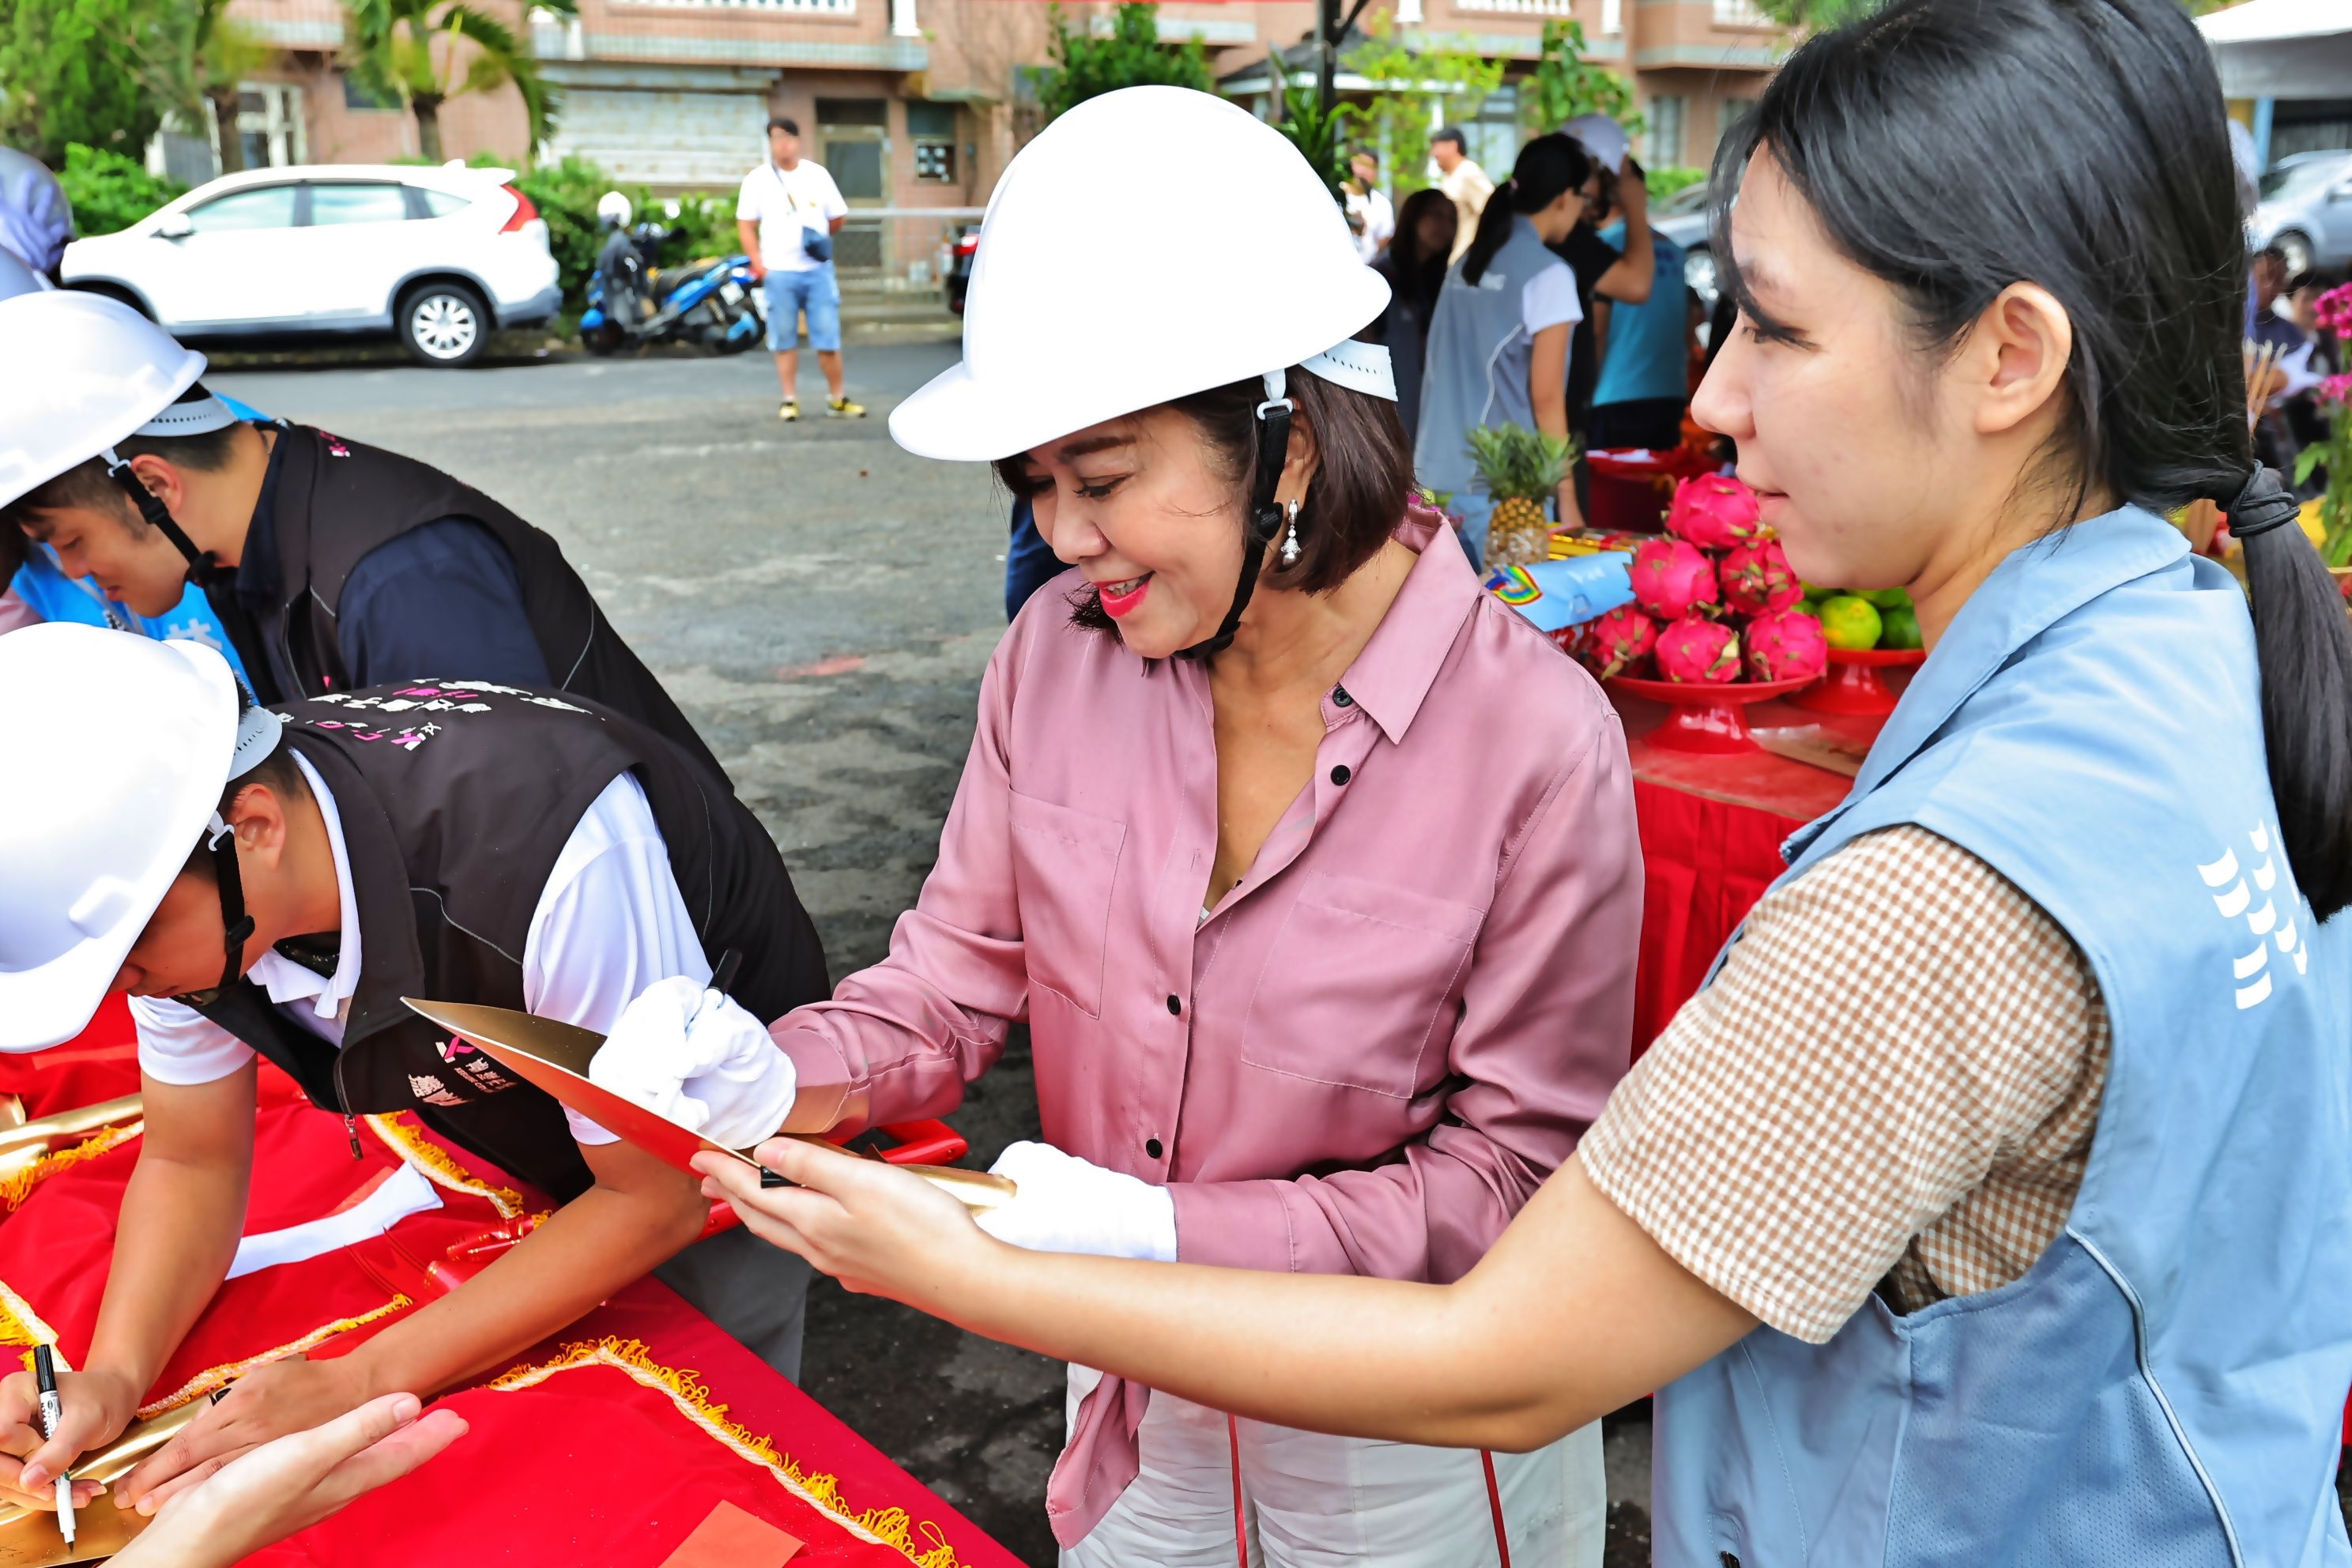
(1546, 166)
(2304, 641)
(1952, 148)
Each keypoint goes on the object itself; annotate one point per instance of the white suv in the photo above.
(438, 257)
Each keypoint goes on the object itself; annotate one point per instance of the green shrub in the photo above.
(1664, 182)
(566, 195)
(109, 191)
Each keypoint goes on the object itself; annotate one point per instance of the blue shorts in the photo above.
(814, 291)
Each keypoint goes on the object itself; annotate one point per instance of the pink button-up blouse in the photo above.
(1373, 1049)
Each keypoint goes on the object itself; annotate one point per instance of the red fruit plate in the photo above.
(1708, 720)
(1854, 686)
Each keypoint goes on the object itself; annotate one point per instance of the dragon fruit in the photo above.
(1617, 642)
(1715, 512)
(1757, 579)
(1699, 652)
(1786, 645)
(1671, 579)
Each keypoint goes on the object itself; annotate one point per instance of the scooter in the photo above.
(714, 303)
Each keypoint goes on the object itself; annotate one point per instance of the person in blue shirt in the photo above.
(1644, 384)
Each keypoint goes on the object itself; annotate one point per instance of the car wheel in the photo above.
(443, 325)
(2297, 248)
(1698, 271)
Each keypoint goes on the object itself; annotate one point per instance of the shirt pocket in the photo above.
(1065, 869)
(1355, 981)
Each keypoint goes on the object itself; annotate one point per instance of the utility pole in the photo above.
(1330, 32)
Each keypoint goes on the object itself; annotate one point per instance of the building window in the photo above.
(932, 128)
(357, 94)
(270, 125)
(1612, 16)
(1520, 7)
(1729, 113)
(1739, 14)
(1667, 114)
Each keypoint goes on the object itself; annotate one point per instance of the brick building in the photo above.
(918, 104)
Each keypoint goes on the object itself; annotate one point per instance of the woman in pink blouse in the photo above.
(1319, 893)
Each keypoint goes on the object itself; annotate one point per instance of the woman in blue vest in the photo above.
(1993, 1203)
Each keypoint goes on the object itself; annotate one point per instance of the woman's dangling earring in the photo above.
(1290, 539)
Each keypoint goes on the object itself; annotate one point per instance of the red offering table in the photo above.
(1711, 831)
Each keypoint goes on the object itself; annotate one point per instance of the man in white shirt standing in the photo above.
(1371, 217)
(1466, 184)
(787, 214)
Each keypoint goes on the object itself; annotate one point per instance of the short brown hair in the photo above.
(87, 485)
(1363, 475)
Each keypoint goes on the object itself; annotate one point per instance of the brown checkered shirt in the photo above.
(1893, 1083)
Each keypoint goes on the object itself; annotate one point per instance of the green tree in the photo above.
(1131, 54)
(81, 71)
(1564, 85)
(1409, 82)
(412, 49)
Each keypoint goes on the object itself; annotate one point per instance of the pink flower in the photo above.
(2336, 390)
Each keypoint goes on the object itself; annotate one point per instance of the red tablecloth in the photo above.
(693, 1418)
(1711, 831)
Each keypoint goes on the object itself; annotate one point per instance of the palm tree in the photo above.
(396, 52)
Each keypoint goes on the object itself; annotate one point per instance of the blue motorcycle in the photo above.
(713, 303)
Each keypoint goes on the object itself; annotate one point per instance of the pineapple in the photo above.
(1522, 469)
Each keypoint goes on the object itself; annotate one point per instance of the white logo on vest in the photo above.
(2252, 971)
(432, 1091)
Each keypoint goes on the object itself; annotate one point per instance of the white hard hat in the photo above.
(119, 747)
(612, 207)
(91, 371)
(1150, 242)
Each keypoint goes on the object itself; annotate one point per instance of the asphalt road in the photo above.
(822, 605)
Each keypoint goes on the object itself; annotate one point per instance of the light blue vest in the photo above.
(2166, 1386)
(1476, 369)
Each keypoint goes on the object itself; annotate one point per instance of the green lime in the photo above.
(1850, 623)
(1901, 629)
(1816, 592)
(1888, 598)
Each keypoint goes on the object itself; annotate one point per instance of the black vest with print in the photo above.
(455, 798)
(337, 499)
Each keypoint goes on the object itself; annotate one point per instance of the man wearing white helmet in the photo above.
(333, 565)
(271, 884)
(1310, 866)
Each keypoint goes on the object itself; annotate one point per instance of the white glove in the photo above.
(1067, 1204)
(697, 1057)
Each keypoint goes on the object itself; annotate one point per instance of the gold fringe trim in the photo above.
(22, 1326)
(205, 1382)
(439, 1166)
(891, 1526)
(18, 1184)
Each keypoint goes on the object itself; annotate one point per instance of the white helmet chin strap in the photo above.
(1360, 367)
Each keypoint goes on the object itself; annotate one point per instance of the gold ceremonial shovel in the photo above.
(554, 1057)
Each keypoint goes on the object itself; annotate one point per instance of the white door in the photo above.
(358, 243)
(228, 267)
